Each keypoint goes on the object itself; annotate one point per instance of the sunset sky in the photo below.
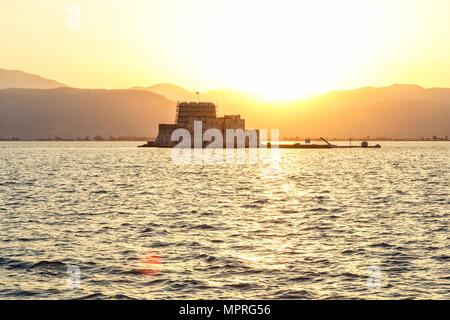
(279, 49)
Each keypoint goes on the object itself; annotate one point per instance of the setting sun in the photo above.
(286, 50)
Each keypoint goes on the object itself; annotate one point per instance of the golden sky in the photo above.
(277, 48)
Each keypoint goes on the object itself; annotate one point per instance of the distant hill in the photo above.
(72, 113)
(20, 79)
(170, 91)
(398, 111)
(402, 111)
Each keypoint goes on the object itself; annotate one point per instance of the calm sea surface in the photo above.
(297, 224)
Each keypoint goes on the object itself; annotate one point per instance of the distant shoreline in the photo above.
(372, 139)
(94, 139)
(145, 139)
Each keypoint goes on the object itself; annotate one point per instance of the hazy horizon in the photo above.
(194, 92)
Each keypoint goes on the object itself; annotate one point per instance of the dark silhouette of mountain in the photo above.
(402, 111)
(20, 79)
(72, 113)
(399, 111)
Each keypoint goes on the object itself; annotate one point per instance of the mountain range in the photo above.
(20, 79)
(33, 107)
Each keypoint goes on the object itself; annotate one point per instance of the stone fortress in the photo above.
(188, 113)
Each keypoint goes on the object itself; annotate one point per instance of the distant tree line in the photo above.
(96, 138)
(134, 138)
(433, 138)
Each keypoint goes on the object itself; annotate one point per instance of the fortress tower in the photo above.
(188, 112)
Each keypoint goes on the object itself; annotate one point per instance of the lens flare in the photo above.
(150, 263)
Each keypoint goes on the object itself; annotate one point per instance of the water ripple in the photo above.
(141, 227)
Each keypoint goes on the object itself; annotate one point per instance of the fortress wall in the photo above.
(165, 134)
(234, 122)
(190, 112)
